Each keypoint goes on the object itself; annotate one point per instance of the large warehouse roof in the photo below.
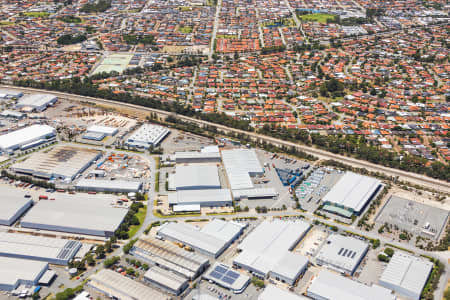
(264, 248)
(352, 191)
(197, 177)
(12, 206)
(240, 164)
(107, 130)
(328, 285)
(224, 276)
(211, 239)
(80, 215)
(165, 278)
(15, 271)
(342, 252)
(272, 292)
(121, 287)
(196, 156)
(15, 139)
(55, 251)
(147, 135)
(60, 161)
(406, 274)
(115, 186)
(202, 197)
(36, 100)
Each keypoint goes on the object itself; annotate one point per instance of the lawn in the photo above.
(321, 18)
(37, 14)
(6, 23)
(141, 217)
(185, 29)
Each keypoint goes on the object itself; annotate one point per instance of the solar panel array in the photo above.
(347, 253)
(68, 249)
(224, 274)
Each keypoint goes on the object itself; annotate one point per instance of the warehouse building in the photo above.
(211, 240)
(266, 250)
(110, 186)
(197, 157)
(351, 194)
(98, 132)
(331, 286)
(12, 208)
(26, 138)
(342, 253)
(81, 216)
(406, 275)
(170, 257)
(36, 102)
(240, 165)
(116, 286)
(10, 94)
(15, 272)
(148, 135)
(227, 278)
(204, 198)
(7, 113)
(257, 193)
(166, 280)
(61, 162)
(197, 177)
(51, 250)
(271, 292)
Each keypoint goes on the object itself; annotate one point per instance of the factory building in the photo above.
(256, 193)
(406, 275)
(116, 286)
(197, 157)
(240, 165)
(61, 162)
(7, 113)
(266, 250)
(166, 280)
(342, 253)
(204, 198)
(12, 208)
(211, 240)
(351, 194)
(170, 257)
(197, 177)
(15, 272)
(98, 132)
(272, 292)
(26, 138)
(81, 216)
(36, 102)
(10, 94)
(110, 186)
(148, 135)
(227, 278)
(331, 286)
(51, 250)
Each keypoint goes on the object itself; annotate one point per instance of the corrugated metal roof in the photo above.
(239, 163)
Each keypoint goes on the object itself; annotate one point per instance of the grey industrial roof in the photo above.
(352, 191)
(36, 100)
(25, 135)
(108, 130)
(408, 272)
(290, 265)
(124, 288)
(12, 203)
(12, 270)
(119, 185)
(264, 248)
(200, 176)
(255, 193)
(197, 155)
(64, 161)
(199, 196)
(165, 278)
(211, 238)
(272, 292)
(225, 276)
(37, 247)
(170, 256)
(239, 163)
(148, 134)
(342, 251)
(335, 287)
(71, 215)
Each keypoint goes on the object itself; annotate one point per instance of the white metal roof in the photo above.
(165, 278)
(272, 292)
(186, 207)
(342, 251)
(352, 191)
(255, 193)
(290, 265)
(148, 134)
(36, 100)
(197, 155)
(197, 177)
(10, 205)
(25, 135)
(407, 272)
(239, 163)
(119, 185)
(108, 130)
(264, 248)
(199, 196)
(332, 286)
(13, 270)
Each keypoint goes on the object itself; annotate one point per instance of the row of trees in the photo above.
(100, 6)
(69, 39)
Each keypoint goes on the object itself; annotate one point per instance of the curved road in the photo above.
(402, 175)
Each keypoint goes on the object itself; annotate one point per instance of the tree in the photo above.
(90, 260)
(389, 252)
(100, 251)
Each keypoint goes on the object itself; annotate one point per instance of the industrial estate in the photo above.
(224, 149)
